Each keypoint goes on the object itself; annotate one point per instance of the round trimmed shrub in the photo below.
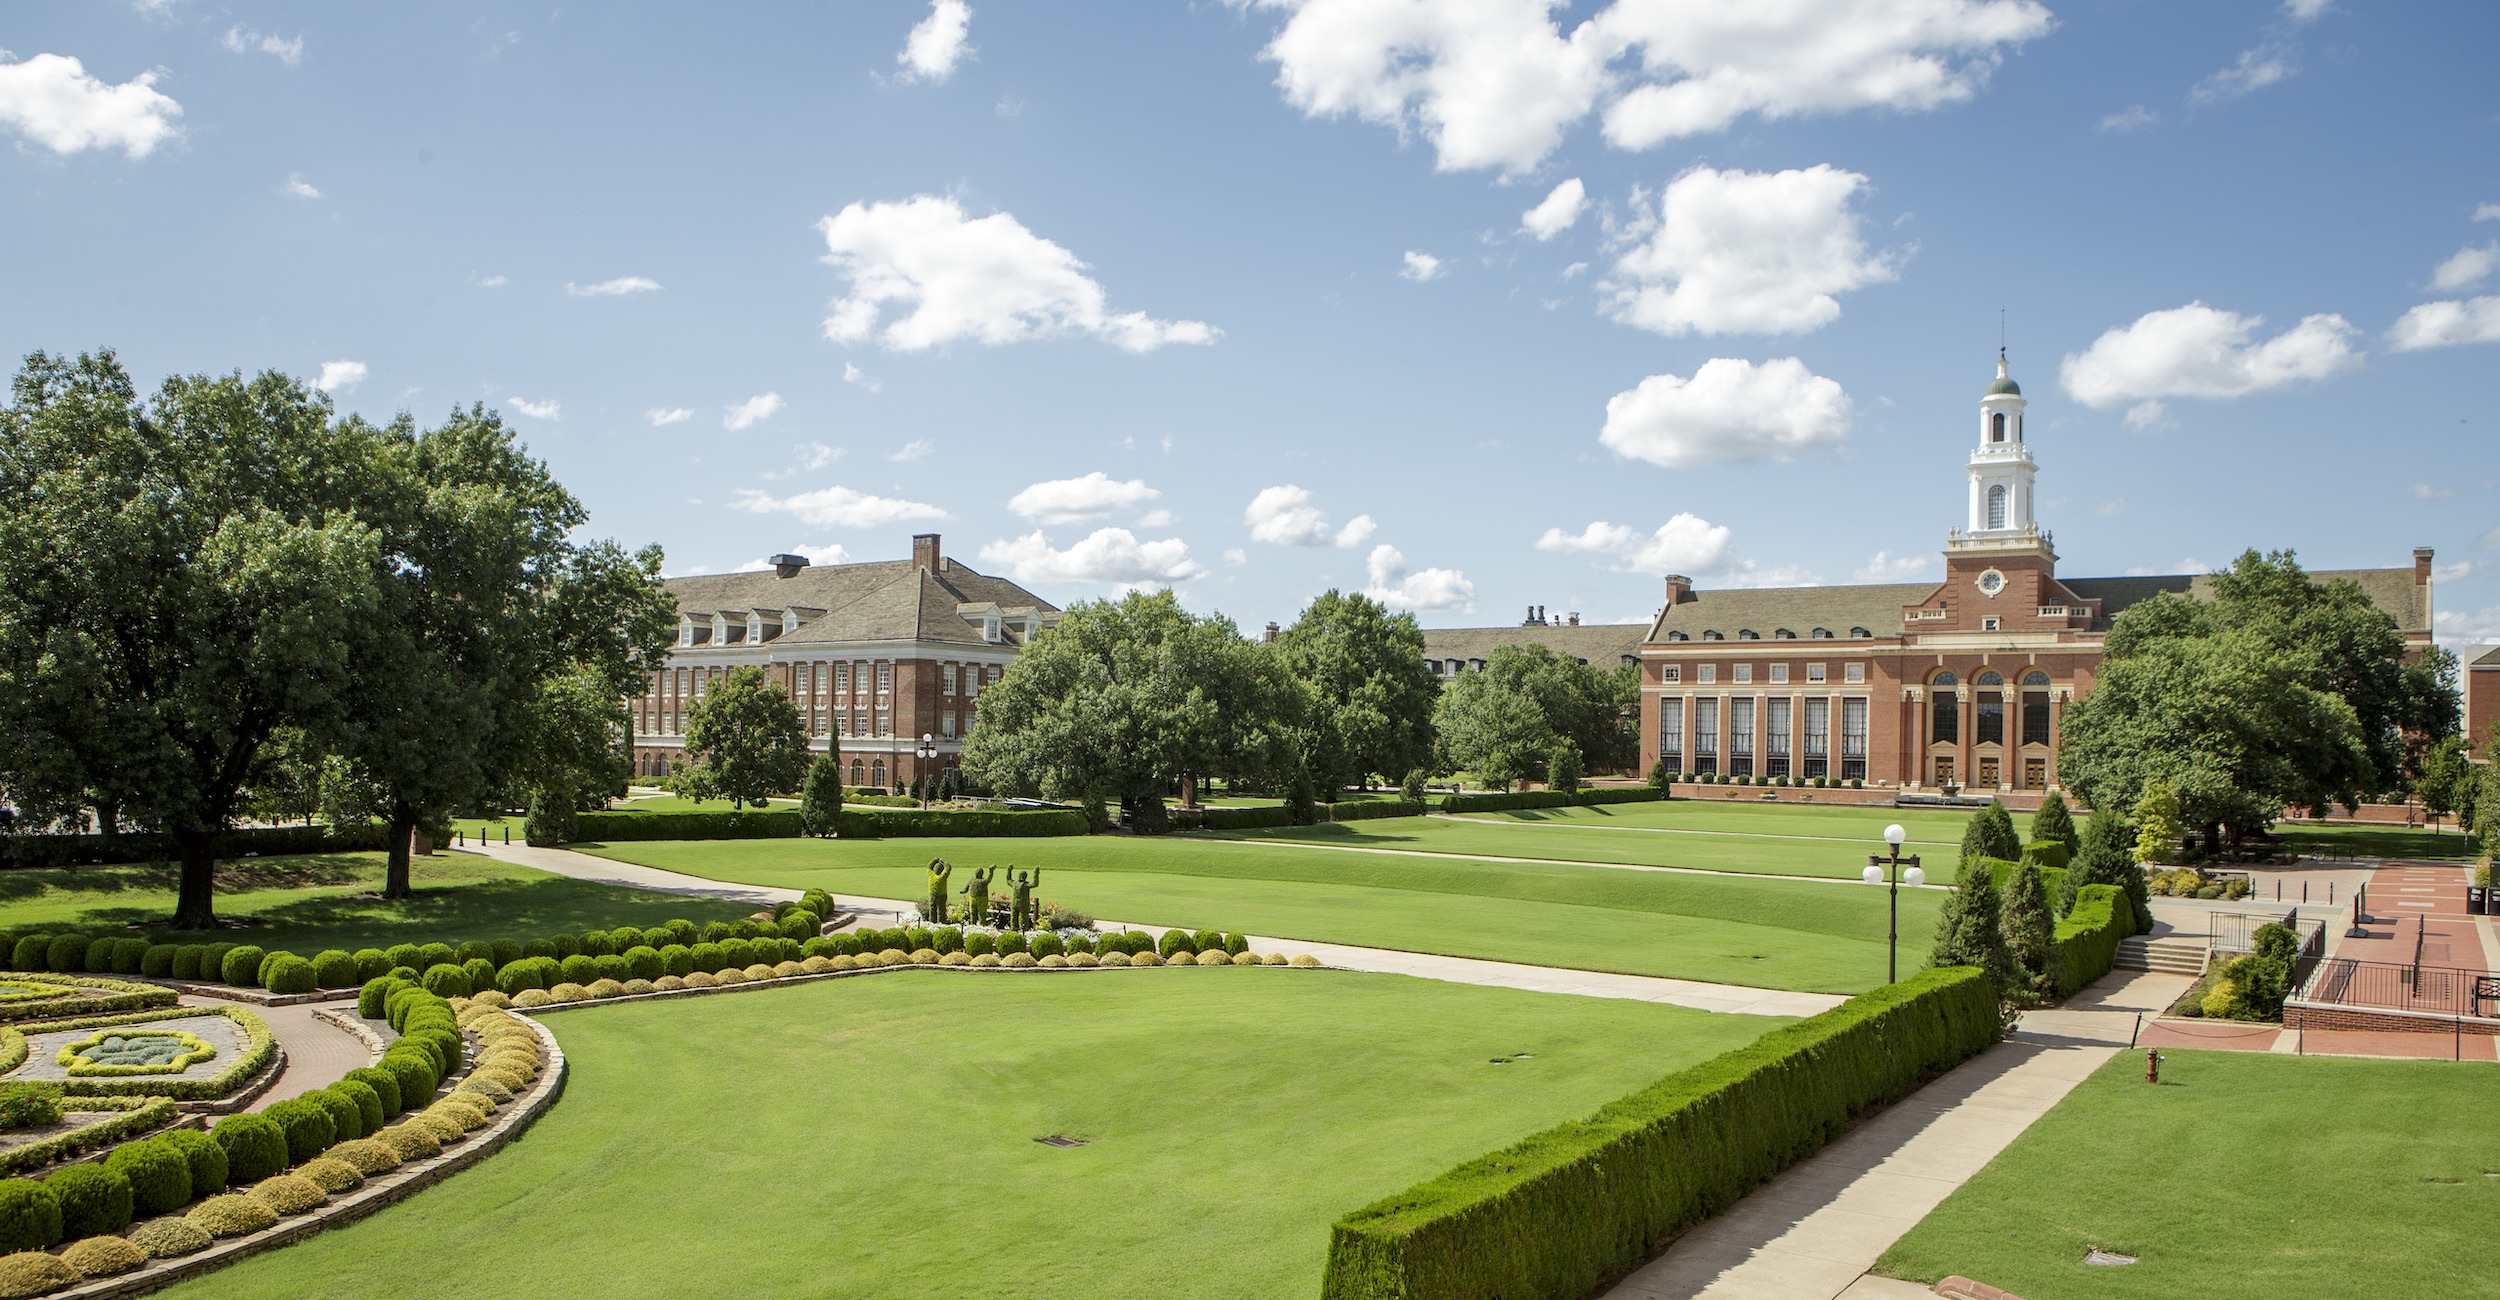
(1146, 958)
(597, 943)
(187, 961)
(625, 938)
(367, 1156)
(707, 956)
(100, 955)
(987, 959)
(256, 1146)
(531, 999)
(1045, 944)
(602, 989)
(1114, 959)
(158, 1174)
(288, 1194)
(800, 923)
(33, 1273)
(402, 954)
(668, 983)
(308, 1126)
(1077, 943)
(206, 1154)
(241, 966)
(565, 945)
(441, 1126)
(1236, 944)
(1174, 941)
(1305, 959)
(474, 950)
(1215, 957)
(676, 959)
(284, 972)
(367, 1100)
(739, 952)
(504, 952)
(385, 1086)
(577, 969)
(845, 945)
(1245, 959)
(67, 953)
(981, 943)
(633, 987)
(760, 971)
(431, 955)
(613, 967)
(473, 1109)
(481, 973)
(447, 981)
(213, 961)
(410, 1140)
(1052, 962)
(231, 1215)
(1207, 940)
(415, 1072)
(331, 1174)
(540, 948)
(130, 956)
(170, 1238)
(94, 1199)
(681, 929)
(30, 1215)
(786, 969)
(643, 962)
(369, 998)
(1017, 959)
(522, 974)
(568, 991)
(1011, 942)
(28, 952)
(701, 980)
(103, 1256)
(715, 931)
(371, 962)
(823, 945)
(955, 958)
(159, 961)
(347, 1119)
(1082, 959)
(489, 998)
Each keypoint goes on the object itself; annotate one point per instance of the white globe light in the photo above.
(1872, 875)
(1893, 835)
(1914, 876)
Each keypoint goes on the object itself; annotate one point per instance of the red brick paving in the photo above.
(2428, 1047)
(2214, 1035)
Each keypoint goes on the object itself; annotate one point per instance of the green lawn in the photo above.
(334, 901)
(2242, 1175)
(875, 1137)
(1830, 843)
(2380, 841)
(1727, 929)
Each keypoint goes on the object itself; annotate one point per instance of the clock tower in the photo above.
(2001, 569)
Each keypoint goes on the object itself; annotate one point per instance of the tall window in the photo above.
(1705, 735)
(806, 680)
(1740, 737)
(1996, 430)
(1671, 734)
(1991, 710)
(1944, 710)
(2035, 708)
(885, 681)
(841, 679)
(1778, 750)
(946, 680)
(946, 724)
(1853, 740)
(1996, 503)
(1818, 749)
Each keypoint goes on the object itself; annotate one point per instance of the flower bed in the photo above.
(49, 996)
(256, 1051)
(107, 1120)
(119, 1053)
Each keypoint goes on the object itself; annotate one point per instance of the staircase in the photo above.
(2174, 955)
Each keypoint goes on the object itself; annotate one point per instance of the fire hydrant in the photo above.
(2152, 1065)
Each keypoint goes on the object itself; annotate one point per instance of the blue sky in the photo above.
(1245, 298)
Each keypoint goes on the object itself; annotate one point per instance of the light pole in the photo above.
(926, 751)
(1912, 876)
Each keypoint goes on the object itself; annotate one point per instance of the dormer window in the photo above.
(685, 629)
(1860, 634)
(1822, 634)
(720, 629)
(1747, 634)
(1783, 634)
(992, 630)
(755, 629)
(1678, 636)
(1713, 634)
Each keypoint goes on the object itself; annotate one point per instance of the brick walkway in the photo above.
(318, 1053)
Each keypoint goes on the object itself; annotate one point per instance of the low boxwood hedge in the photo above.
(2048, 855)
(258, 1048)
(871, 823)
(128, 1115)
(1557, 1214)
(1245, 819)
(1471, 803)
(90, 996)
(1374, 809)
(99, 850)
(617, 827)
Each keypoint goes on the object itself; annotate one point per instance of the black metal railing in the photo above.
(2395, 986)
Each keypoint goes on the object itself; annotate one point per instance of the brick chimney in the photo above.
(787, 566)
(1574, 616)
(2421, 566)
(924, 552)
(1272, 631)
(1679, 589)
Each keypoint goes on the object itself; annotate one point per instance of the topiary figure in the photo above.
(30, 1215)
(104, 1256)
(159, 1176)
(256, 1146)
(207, 1156)
(1021, 914)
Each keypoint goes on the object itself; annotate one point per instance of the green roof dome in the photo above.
(2002, 387)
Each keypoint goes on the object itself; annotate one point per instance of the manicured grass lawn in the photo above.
(2242, 1175)
(1727, 929)
(875, 1137)
(334, 901)
(1830, 843)
(2379, 841)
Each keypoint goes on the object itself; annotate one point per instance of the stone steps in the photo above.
(2171, 956)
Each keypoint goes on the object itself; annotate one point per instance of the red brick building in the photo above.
(2482, 698)
(1917, 685)
(879, 656)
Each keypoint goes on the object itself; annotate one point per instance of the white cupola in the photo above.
(2001, 469)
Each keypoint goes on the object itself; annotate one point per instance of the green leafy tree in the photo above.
(2108, 858)
(178, 580)
(1503, 723)
(285, 782)
(1372, 693)
(1990, 834)
(1492, 729)
(1563, 768)
(1123, 697)
(2030, 928)
(2445, 783)
(2054, 823)
(1412, 788)
(820, 802)
(1302, 800)
(1975, 934)
(745, 741)
(2156, 824)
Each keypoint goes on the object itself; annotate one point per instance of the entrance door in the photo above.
(1987, 773)
(1944, 770)
(2035, 774)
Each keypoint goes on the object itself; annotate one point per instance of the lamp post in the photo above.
(1903, 872)
(927, 750)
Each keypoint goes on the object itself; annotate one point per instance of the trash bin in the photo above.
(2477, 900)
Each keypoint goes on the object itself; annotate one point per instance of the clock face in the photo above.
(1991, 582)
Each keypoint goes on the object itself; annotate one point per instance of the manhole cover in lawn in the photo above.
(1060, 1140)
(2106, 1258)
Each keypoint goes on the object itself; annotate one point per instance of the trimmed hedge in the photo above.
(30, 1215)
(617, 827)
(870, 823)
(138, 1115)
(1243, 819)
(258, 1047)
(1373, 809)
(99, 850)
(159, 1175)
(255, 1146)
(1555, 1215)
(2001, 870)
(95, 1200)
(2048, 855)
(2086, 942)
(102, 997)
(1467, 803)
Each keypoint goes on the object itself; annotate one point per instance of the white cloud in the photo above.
(1421, 266)
(1156, 519)
(2471, 266)
(918, 449)
(1884, 566)
(339, 376)
(1686, 544)
(2306, 11)
(2255, 70)
(2447, 324)
(2425, 492)
(1497, 83)
(838, 507)
(852, 374)
(987, 279)
(1284, 516)
(665, 415)
(2190, 566)
(1425, 590)
(1111, 556)
(2487, 212)
(619, 287)
(52, 101)
(1730, 410)
(2135, 118)
(1081, 500)
(537, 410)
(2199, 351)
(2148, 415)
(1559, 212)
(744, 415)
(937, 43)
(243, 40)
(1236, 556)
(1746, 253)
(816, 455)
(2455, 628)
(488, 281)
(297, 187)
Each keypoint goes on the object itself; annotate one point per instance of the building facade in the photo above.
(885, 659)
(1921, 686)
(2482, 699)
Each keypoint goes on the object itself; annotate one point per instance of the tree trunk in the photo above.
(108, 820)
(403, 825)
(2213, 839)
(196, 908)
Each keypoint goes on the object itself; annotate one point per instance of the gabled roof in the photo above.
(2490, 657)
(2392, 590)
(1602, 644)
(887, 600)
(1765, 610)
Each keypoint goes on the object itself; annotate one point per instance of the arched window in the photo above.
(1989, 710)
(1944, 710)
(1996, 503)
(2035, 708)
(2035, 678)
(1990, 678)
(876, 773)
(1822, 634)
(1678, 636)
(859, 773)
(1996, 431)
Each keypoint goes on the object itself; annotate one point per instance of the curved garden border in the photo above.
(780, 981)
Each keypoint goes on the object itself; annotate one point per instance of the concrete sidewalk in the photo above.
(884, 913)
(1812, 1232)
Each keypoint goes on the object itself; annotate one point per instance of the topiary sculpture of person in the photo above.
(978, 891)
(939, 873)
(1020, 915)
